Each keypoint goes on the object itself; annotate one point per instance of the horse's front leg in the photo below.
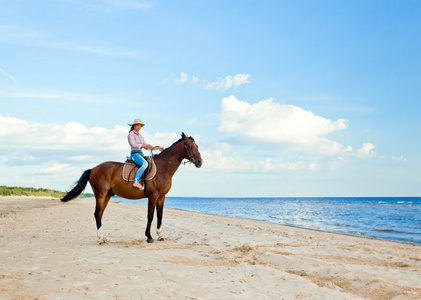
(159, 213)
(151, 210)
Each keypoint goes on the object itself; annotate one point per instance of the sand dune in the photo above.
(49, 250)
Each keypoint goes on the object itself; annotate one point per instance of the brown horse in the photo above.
(106, 181)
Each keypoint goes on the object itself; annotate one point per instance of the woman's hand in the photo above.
(150, 147)
(158, 148)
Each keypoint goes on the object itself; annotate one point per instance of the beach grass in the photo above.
(30, 191)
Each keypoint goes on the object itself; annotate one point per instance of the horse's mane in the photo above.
(176, 142)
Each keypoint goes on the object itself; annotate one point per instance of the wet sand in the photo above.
(49, 250)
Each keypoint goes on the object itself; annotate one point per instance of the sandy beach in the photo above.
(49, 250)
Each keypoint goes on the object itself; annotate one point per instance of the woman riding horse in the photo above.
(106, 181)
(137, 143)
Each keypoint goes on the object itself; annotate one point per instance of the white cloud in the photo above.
(219, 159)
(71, 136)
(193, 121)
(313, 166)
(279, 123)
(16, 157)
(279, 164)
(399, 159)
(66, 149)
(222, 156)
(55, 168)
(332, 148)
(53, 148)
(367, 150)
(183, 78)
(216, 159)
(82, 157)
(228, 82)
(11, 77)
(53, 139)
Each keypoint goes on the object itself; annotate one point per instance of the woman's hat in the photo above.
(137, 121)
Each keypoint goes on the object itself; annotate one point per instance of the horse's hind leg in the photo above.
(101, 204)
(159, 213)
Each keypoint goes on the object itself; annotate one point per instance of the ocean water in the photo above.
(396, 219)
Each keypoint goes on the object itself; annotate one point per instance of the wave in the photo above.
(342, 225)
(387, 230)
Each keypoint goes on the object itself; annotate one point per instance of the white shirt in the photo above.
(136, 140)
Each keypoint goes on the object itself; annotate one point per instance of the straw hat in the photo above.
(137, 121)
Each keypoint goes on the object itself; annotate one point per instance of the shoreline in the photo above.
(116, 200)
(293, 226)
(49, 250)
(358, 234)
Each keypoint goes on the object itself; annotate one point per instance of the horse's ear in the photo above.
(183, 136)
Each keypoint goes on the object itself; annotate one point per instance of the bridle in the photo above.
(191, 156)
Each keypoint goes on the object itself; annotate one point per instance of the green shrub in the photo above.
(29, 191)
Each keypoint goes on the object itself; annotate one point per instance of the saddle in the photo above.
(130, 168)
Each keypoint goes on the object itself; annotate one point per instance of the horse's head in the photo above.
(191, 151)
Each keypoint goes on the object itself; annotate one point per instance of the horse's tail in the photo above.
(78, 188)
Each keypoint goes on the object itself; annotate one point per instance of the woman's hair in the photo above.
(131, 128)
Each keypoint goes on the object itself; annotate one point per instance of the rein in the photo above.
(182, 163)
(190, 159)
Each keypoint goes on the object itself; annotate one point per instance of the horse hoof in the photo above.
(161, 239)
(150, 241)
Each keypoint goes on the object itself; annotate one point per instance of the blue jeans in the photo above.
(137, 157)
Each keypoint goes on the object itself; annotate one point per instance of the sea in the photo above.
(391, 218)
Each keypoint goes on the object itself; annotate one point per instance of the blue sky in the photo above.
(284, 98)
